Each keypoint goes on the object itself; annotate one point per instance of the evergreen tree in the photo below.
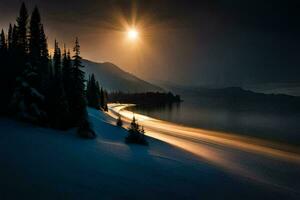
(38, 48)
(119, 121)
(136, 134)
(3, 44)
(38, 52)
(22, 22)
(78, 103)
(10, 37)
(103, 99)
(50, 69)
(57, 60)
(14, 41)
(44, 51)
(67, 72)
(20, 41)
(34, 38)
(57, 102)
(93, 96)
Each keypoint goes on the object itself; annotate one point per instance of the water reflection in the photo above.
(168, 109)
(225, 116)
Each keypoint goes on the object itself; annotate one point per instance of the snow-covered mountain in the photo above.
(113, 78)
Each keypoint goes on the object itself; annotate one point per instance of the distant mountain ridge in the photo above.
(113, 78)
(239, 99)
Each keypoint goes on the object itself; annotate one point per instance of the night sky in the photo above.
(223, 42)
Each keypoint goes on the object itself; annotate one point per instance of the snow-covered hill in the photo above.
(40, 163)
(113, 78)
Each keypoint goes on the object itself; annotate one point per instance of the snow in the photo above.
(40, 163)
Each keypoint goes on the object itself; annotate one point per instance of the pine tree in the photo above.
(45, 65)
(22, 22)
(67, 72)
(93, 96)
(103, 99)
(136, 134)
(3, 44)
(119, 121)
(10, 37)
(38, 52)
(78, 103)
(44, 50)
(14, 42)
(20, 41)
(57, 60)
(57, 102)
(38, 48)
(34, 38)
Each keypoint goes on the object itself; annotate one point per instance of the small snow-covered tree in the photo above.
(119, 121)
(136, 134)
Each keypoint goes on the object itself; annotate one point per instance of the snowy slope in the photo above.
(113, 78)
(39, 163)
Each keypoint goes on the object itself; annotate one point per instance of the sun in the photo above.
(132, 34)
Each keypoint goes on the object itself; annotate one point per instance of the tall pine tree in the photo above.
(34, 38)
(22, 40)
(78, 104)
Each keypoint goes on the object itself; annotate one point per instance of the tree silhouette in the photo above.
(67, 74)
(78, 104)
(38, 88)
(10, 37)
(57, 60)
(136, 133)
(22, 40)
(93, 93)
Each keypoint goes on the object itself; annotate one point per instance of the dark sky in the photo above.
(216, 42)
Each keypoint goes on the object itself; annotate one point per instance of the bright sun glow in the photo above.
(132, 34)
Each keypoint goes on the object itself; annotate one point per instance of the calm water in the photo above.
(274, 126)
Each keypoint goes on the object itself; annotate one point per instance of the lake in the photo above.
(282, 127)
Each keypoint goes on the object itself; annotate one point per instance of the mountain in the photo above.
(112, 78)
(239, 99)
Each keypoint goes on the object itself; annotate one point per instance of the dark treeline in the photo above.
(96, 95)
(148, 98)
(36, 87)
